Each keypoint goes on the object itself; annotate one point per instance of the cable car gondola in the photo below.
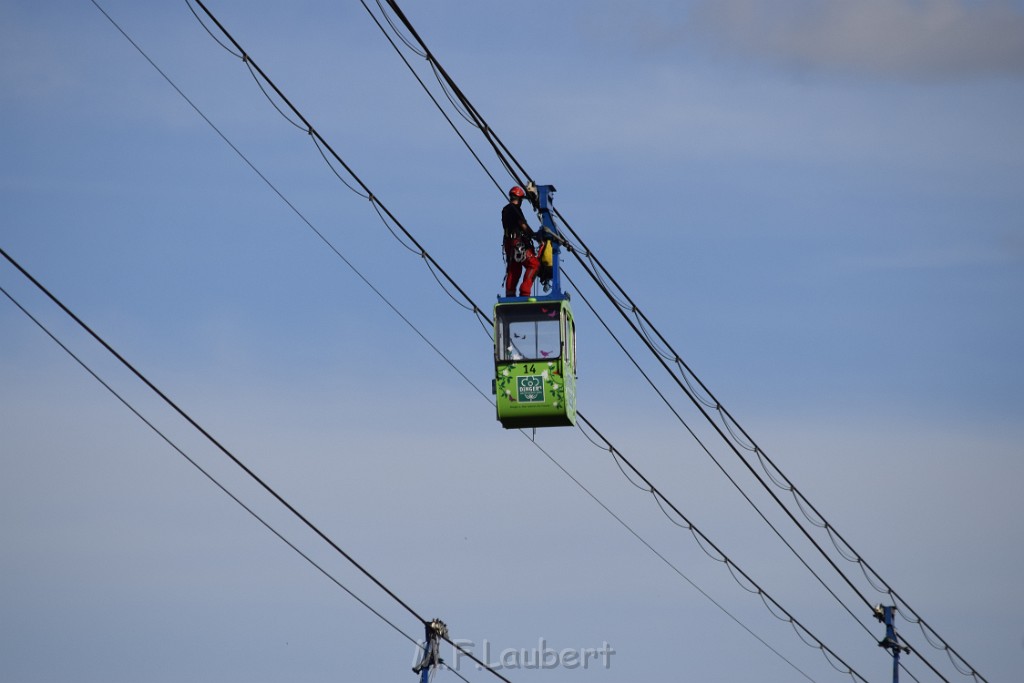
(535, 347)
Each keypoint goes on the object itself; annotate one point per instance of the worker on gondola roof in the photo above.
(517, 245)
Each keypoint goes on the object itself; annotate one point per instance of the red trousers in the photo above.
(512, 272)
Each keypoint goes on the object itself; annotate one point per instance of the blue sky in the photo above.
(818, 203)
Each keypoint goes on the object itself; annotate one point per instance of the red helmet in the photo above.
(516, 192)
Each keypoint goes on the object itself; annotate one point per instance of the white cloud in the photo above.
(892, 38)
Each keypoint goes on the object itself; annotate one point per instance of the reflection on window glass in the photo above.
(532, 334)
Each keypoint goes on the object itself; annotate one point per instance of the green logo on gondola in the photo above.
(530, 389)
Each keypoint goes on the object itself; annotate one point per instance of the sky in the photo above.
(817, 203)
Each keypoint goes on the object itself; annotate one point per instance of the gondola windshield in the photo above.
(531, 334)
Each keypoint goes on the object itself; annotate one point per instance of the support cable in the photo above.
(595, 274)
(700, 407)
(508, 160)
(195, 464)
(707, 451)
(326, 145)
(430, 95)
(409, 235)
(735, 450)
(503, 154)
(316, 231)
(664, 559)
(231, 456)
(737, 572)
(501, 150)
(321, 141)
(479, 314)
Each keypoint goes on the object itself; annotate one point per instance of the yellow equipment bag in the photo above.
(545, 254)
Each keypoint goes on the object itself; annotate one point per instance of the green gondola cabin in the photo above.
(535, 363)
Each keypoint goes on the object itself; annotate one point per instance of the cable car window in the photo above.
(569, 335)
(530, 334)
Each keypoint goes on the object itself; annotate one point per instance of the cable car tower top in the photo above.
(542, 198)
